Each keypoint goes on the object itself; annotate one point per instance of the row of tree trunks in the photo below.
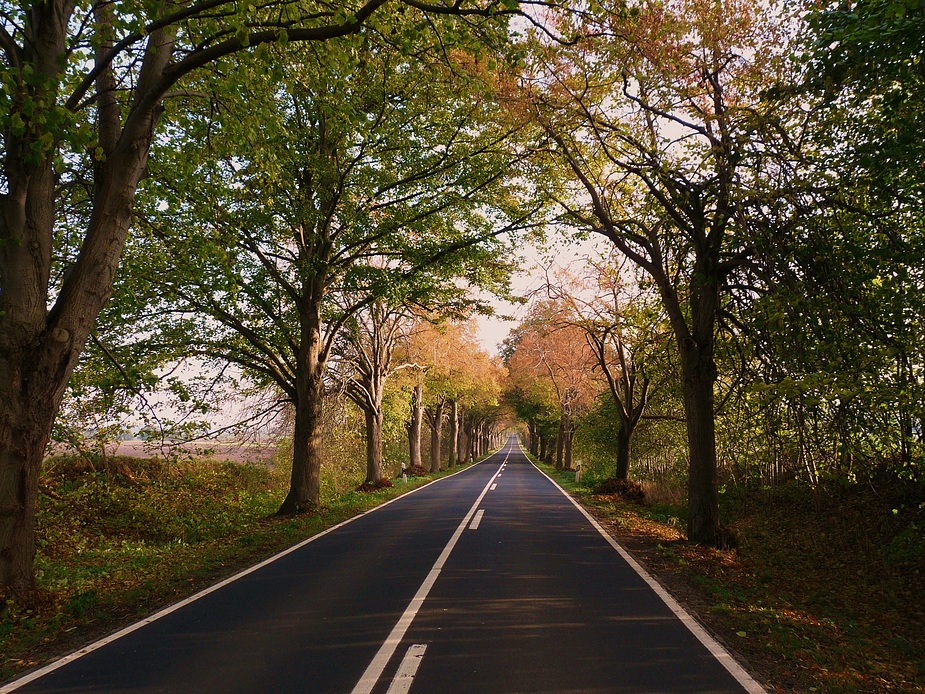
(563, 444)
(457, 447)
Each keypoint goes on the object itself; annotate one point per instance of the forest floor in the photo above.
(825, 592)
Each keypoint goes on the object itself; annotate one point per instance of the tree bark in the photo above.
(26, 422)
(454, 432)
(373, 445)
(417, 417)
(475, 445)
(462, 441)
(305, 480)
(567, 453)
(698, 376)
(560, 446)
(624, 440)
(436, 435)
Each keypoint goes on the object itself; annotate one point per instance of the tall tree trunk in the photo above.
(373, 445)
(305, 481)
(560, 446)
(532, 443)
(436, 436)
(698, 376)
(454, 432)
(417, 417)
(462, 441)
(624, 439)
(552, 444)
(26, 419)
(39, 348)
(569, 436)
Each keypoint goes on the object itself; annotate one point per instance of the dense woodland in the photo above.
(284, 219)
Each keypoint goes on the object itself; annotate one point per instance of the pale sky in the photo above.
(562, 253)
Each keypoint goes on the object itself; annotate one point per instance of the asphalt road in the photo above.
(487, 581)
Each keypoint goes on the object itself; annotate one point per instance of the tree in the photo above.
(552, 350)
(663, 145)
(62, 61)
(364, 362)
(454, 374)
(864, 60)
(370, 191)
(416, 421)
(621, 327)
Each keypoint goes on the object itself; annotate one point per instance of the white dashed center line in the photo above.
(478, 519)
(374, 670)
(406, 671)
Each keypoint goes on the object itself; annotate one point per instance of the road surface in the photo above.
(490, 580)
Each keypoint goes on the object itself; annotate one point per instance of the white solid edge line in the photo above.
(373, 672)
(401, 684)
(712, 645)
(61, 662)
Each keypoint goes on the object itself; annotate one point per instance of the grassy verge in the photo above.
(823, 594)
(117, 544)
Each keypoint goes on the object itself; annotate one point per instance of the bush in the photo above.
(627, 490)
(370, 487)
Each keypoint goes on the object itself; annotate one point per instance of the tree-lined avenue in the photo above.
(530, 598)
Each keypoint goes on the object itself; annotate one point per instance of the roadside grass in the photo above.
(825, 592)
(118, 543)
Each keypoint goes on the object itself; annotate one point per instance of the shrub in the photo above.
(370, 487)
(625, 489)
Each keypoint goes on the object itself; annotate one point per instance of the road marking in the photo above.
(387, 649)
(474, 525)
(61, 662)
(493, 487)
(700, 633)
(406, 671)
